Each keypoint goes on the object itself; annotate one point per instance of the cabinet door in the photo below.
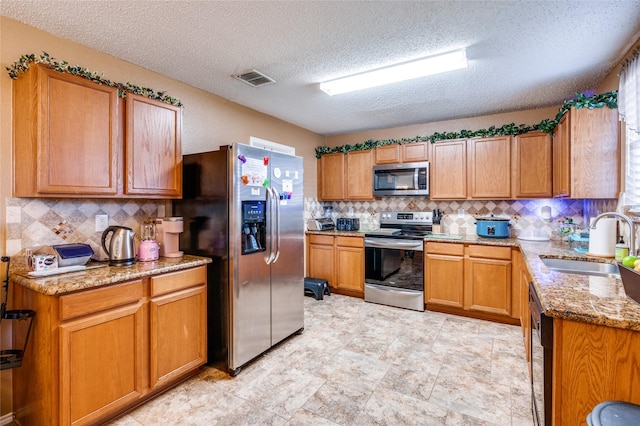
(101, 364)
(331, 175)
(532, 165)
(153, 148)
(66, 135)
(525, 315)
(595, 153)
(359, 168)
(561, 158)
(448, 179)
(350, 264)
(489, 163)
(444, 280)
(387, 154)
(178, 336)
(413, 152)
(177, 324)
(488, 285)
(321, 258)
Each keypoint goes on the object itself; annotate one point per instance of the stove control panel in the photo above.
(406, 218)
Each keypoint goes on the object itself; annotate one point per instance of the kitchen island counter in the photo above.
(99, 276)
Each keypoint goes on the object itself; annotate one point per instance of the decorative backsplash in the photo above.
(33, 222)
(459, 216)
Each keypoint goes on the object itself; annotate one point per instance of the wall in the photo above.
(208, 121)
(472, 123)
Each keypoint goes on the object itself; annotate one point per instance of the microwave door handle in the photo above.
(416, 174)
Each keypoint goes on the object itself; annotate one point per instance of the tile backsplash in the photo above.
(459, 216)
(33, 222)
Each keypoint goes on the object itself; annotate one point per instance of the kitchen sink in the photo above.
(581, 267)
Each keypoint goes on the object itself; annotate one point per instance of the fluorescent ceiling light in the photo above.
(399, 72)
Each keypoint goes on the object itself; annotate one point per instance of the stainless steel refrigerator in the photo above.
(243, 207)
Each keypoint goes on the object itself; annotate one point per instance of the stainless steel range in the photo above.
(394, 272)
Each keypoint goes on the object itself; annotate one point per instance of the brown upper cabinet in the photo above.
(474, 168)
(70, 140)
(532, 165)
(586, 154)
(331, 177)
(346, 176)
(489, 164)
(405, 153)
(359, 182)
(448, 180)
(154, 154)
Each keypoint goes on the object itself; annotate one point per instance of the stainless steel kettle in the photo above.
(121, 245)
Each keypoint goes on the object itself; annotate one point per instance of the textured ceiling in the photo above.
(522, 54)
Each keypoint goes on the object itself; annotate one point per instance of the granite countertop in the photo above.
(582, 298)
(100, 274)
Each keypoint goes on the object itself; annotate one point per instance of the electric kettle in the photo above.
(121, 250)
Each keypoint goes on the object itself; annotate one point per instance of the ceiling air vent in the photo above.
(254, 78)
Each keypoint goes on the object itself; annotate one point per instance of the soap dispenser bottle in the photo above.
(622, 250)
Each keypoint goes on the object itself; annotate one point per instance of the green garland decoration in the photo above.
(22, 65)
(609, 99)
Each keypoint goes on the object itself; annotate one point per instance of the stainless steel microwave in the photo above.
(401, 179)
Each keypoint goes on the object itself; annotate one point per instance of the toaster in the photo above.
(348, 224)
(322, 224)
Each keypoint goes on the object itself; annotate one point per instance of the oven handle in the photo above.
(391, 289)
(393, 245)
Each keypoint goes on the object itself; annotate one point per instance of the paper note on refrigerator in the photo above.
(255, 170)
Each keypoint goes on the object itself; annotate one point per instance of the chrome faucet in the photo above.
(632, 243)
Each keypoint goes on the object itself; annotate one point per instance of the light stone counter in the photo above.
(100, 276)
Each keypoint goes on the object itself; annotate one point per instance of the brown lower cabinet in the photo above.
(591, 364)
(470, 279)
(339, 260)
(94, 353)
(521, 280)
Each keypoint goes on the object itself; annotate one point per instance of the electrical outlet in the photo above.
(102, 222)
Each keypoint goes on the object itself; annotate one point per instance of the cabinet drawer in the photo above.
(326, 240)
(349, 242)
(89, 301)
(166, 283)
(491, 252)
(450, 249)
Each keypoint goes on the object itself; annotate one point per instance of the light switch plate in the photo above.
(102, 222)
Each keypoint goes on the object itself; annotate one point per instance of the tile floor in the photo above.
(359, 363)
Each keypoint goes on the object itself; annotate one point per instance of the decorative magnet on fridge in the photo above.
(266, 161)
(242, 158)
(245, 179)
(266, 182)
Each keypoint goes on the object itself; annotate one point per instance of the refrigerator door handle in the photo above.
(268, 254)
(274, 226)
(276, 202)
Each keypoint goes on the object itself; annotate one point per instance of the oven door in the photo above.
(394, 272)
